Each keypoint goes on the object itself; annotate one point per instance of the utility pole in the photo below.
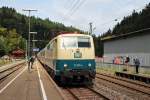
(26, 50)
(90, 30)
(33, 46)
(29, 50)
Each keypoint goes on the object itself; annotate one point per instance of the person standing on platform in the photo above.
(31, 62)
(28, 61)
(137, 65)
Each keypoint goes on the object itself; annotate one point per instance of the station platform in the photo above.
(30, 85)
(136, 77)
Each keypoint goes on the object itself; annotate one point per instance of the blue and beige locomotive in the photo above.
(70, 57)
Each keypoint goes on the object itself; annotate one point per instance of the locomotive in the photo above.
(70, 58)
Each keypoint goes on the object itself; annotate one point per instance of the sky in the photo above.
(79, 13)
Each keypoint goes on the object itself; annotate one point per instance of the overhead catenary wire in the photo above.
(120, 17)
(76, 3)
(139, 8)
(75, 6)
(72, 7)
(69, 3)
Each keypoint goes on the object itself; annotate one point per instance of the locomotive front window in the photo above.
(69, 42)
(76, 42)
(84, 42)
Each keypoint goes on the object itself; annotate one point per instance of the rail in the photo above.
(128, 84)
(83, 93)
(7, 72)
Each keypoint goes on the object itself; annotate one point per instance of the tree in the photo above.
(14, 29)
(2, 46)
(133, 22)
(98, 46)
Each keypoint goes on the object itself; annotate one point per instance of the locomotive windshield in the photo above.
(84, 42)
(69, 42)
(76, 42)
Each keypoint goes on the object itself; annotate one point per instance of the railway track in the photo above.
(7, 72)
(135, 86)
(83, 93)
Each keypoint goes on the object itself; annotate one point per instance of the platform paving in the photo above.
(33, 85)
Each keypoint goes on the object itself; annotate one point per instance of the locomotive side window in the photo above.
(84, 42)
(51, 45)
(48, 46)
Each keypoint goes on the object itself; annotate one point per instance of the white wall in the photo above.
(133, 47)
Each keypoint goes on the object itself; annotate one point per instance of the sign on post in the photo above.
(35, 49)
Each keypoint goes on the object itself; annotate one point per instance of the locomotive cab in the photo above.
(76, 57)
(70, 58)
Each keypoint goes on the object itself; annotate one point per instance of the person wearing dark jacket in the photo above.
(31, 62)
(137, 64)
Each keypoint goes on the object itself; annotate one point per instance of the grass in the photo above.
(111, 70)
(145, 71)
(115, 68)
(3, 62)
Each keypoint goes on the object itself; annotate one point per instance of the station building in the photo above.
(18, 53)
(133, 45)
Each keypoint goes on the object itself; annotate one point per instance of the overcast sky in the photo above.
(78, 13)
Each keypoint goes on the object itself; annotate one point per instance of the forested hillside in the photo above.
(14, 30)
(133, 22)
(14, 26)
(9, 40)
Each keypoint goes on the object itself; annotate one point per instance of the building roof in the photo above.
(18, 51)
(127, 35)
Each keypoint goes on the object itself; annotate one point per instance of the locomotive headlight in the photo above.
(65, 65)
(89, 65)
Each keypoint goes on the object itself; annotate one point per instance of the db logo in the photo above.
(77, 54)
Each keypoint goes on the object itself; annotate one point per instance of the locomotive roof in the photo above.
(69, 34)
(73, 35)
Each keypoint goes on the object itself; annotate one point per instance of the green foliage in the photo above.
(98, 46)
(12, 39)
(9, 40)
(14, 29)
(133, 22)
(2, 46)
